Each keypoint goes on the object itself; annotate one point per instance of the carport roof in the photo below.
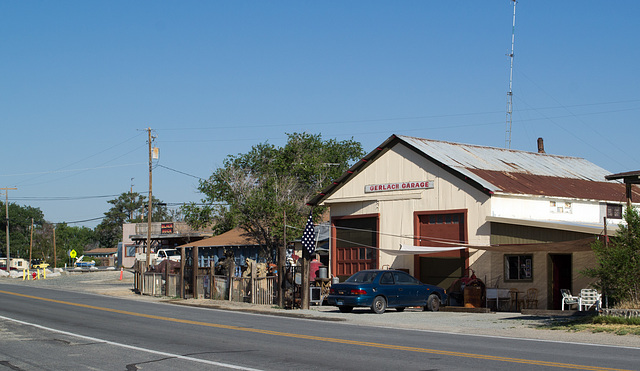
(234, 237)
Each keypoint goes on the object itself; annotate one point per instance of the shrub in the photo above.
(618, 264)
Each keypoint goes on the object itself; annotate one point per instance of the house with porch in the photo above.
(440, 210)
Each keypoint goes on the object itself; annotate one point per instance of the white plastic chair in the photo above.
(568, 299)
(589, 298)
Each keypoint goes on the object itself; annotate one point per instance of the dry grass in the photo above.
(615, 325)
(628, 305)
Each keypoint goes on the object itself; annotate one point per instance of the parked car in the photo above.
(381, 289)
(39, 264)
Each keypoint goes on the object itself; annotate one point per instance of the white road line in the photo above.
(164, 354)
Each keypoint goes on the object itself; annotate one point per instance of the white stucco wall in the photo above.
(540, 208)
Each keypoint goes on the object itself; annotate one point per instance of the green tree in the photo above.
(19, 229)
(129, 207)
(255, 189)
(618, 264)
(75, 238)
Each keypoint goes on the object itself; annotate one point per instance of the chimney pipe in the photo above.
(540, 145)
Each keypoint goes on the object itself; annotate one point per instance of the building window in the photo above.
(614, 211)
(518, 267)
(131, 250)
(560, 207)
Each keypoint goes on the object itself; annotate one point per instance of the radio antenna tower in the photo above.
(507, 142)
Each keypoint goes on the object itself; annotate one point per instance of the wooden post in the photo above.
(194, 259)
(31, 244)
(182, 262)
(211, 279)
(6, 206)
(55, 256)
(253, 282)
(231, 267)
(150, 208)
(282, 261)
(166, 277)
(304, 293)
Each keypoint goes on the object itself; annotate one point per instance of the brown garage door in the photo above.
(442, 268)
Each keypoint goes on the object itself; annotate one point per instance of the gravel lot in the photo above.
(500, 324)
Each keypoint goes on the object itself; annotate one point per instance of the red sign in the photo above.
(166, 228)
(402, 186)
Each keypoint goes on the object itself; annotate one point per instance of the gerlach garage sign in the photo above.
(401, 186)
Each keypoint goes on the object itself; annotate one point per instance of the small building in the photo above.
(237, 242)
(164, 235)
(440, 209)
(106, 256)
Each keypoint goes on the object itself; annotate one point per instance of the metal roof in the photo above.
(499, 170)
(466, 157)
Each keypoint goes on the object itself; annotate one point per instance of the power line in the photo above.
(71, 170)
(62, 198)
(401, 118)
(86, 158)
(179, 172)
(81, 221)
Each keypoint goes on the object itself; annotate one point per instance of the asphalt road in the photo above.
(48, 329)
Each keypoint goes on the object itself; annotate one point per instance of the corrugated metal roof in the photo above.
(473, 157)
(521, 172)
(495, 170)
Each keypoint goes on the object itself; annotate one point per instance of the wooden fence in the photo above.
(259, 290)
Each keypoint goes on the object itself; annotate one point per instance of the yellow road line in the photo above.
(328, 340)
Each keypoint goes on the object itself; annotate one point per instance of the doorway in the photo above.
(441, 229)
(561, 277)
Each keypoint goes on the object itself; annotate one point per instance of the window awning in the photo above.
(560, 225)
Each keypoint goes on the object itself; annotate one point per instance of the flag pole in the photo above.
(308, 239)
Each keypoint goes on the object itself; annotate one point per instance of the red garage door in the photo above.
(433, 230)
(353, 237)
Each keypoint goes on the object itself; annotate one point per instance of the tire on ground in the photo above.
(379, 305)
(433, 303)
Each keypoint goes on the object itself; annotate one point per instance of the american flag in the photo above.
(309, 236)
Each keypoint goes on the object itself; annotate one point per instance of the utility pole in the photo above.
(150, 201)
(55, 256)
(282, 263)
(131, 194)
(507, 142)
(31, 244)
(6, 206)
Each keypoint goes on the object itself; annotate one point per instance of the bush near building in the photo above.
(618, 263)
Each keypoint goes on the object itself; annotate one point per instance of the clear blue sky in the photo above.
(81, 80)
